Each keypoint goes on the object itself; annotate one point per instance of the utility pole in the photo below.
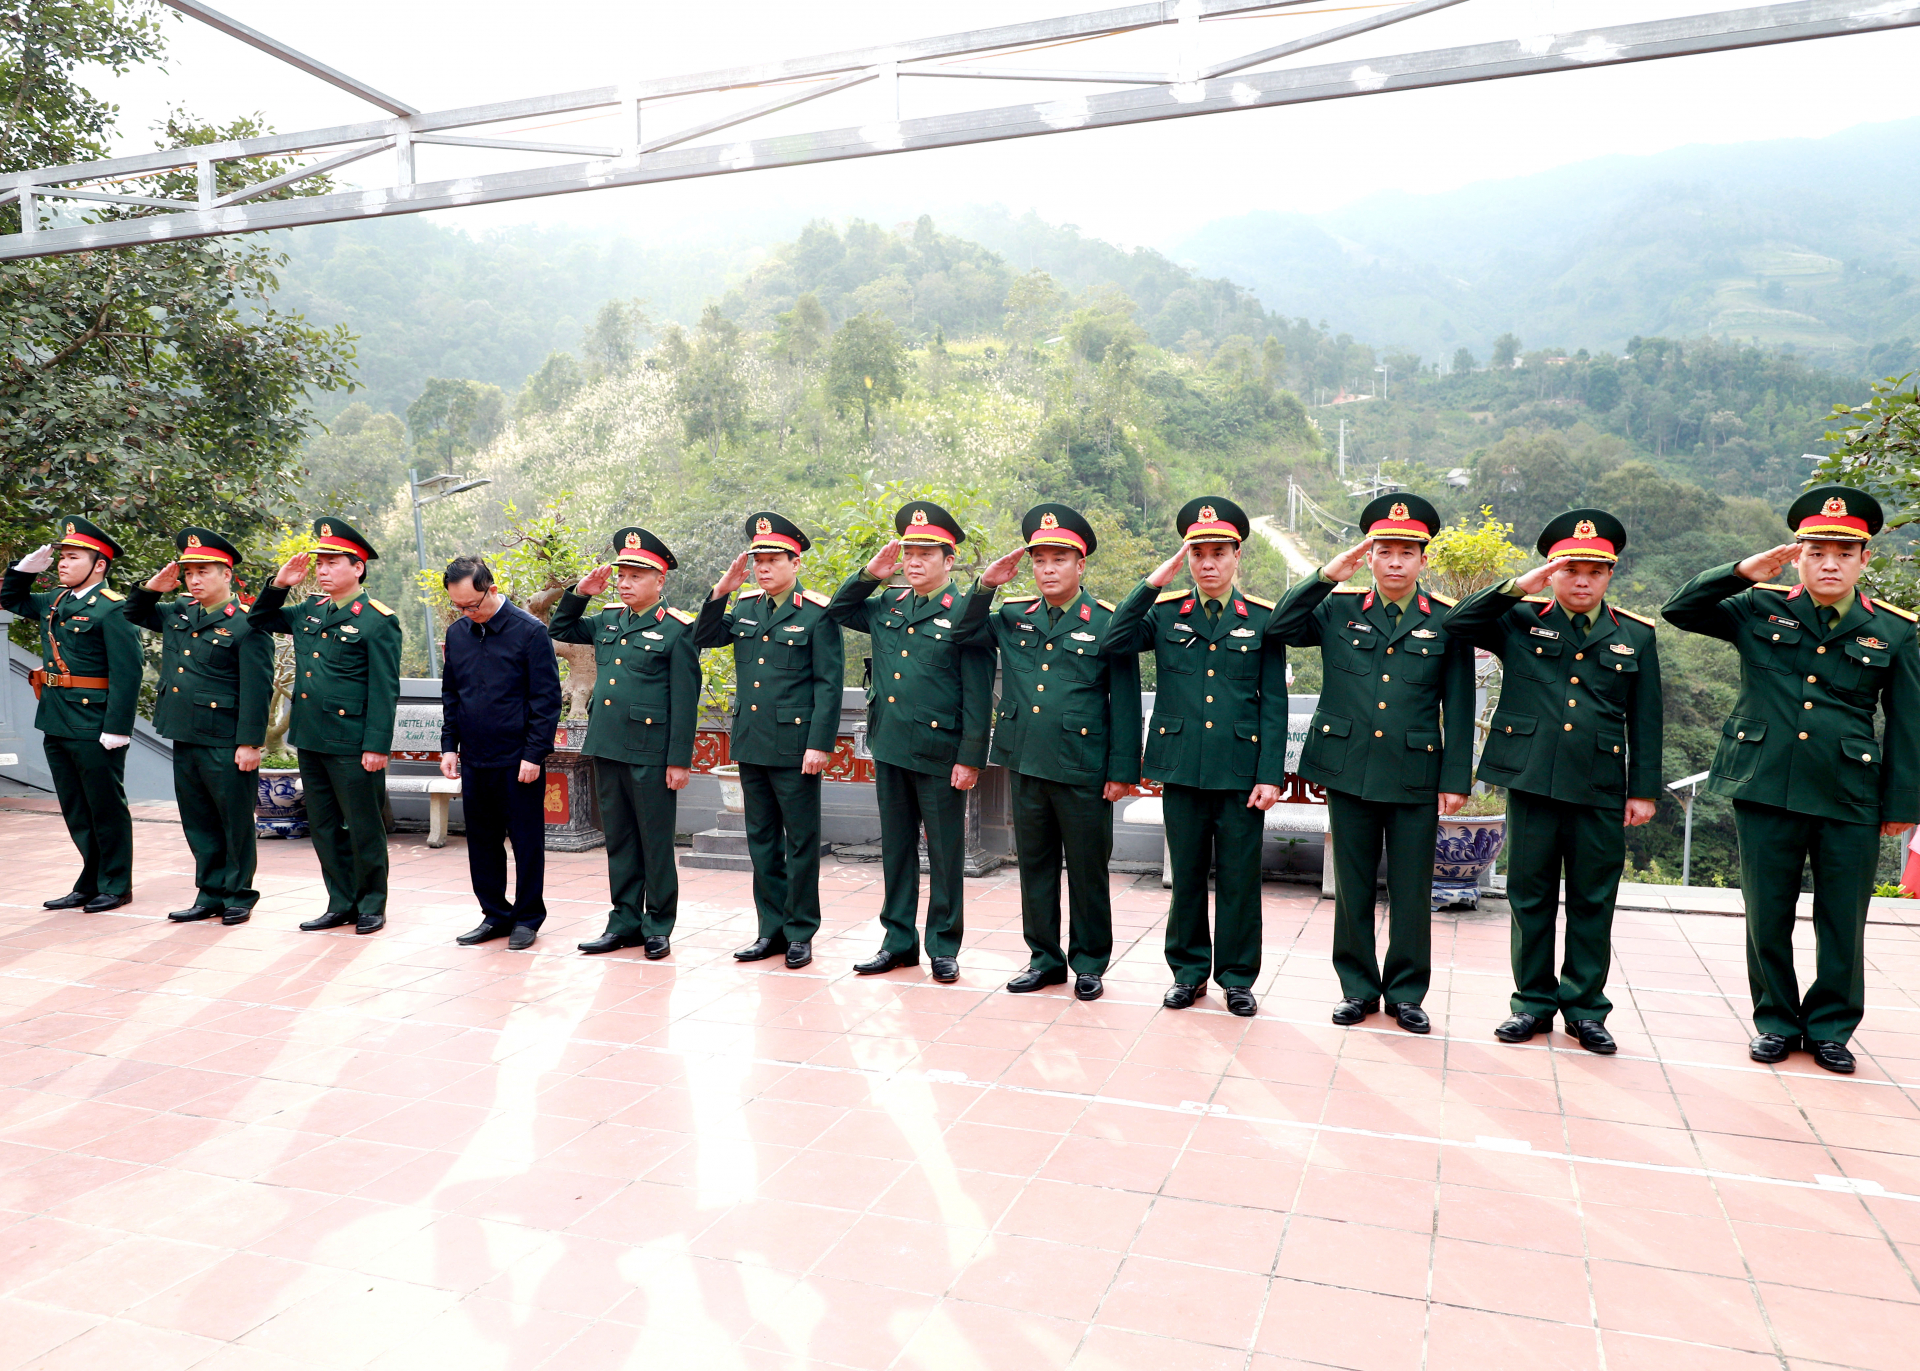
(1343, 449)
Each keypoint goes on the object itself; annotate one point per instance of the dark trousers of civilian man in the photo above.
(502, 809)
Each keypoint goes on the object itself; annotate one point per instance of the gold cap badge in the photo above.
(69, 528)
(193, 540)
(326, 530)
(1206, 514)
(1399, 511)
(1048, 521)
(919, 517)
(764, 526)
(1834, 505)
(633, 540)
(1584, 529)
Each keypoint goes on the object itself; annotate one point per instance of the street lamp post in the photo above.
(1386, 381)
(436, 488)
(1692, 784)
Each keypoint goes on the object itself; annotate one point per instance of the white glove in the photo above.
(36, 561)
(112, 740)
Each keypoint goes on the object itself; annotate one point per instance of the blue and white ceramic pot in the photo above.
(281, 810)
(1463, 852)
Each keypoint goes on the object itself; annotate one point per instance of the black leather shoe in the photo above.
(196, 914)
(485, 933)
(73, 899)
(1772, 1047)
(1182, 996)
(1350, 1011)
(521, 938)
(946, 970)
(608, 942)
(1030, 980)
(1833, 1056)
(1410, 1017)
(799, 955)
(658, 946)
(369, 923)
(1520, 1028)
(1087, 986)
(1593, 1036)
(1240, 1002)
(760, 949)
(236, 914)
(333, 918)
(100, 904)
(883, 961)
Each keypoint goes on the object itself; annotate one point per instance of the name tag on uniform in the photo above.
(1359, 628)
(754, 622)
(1181, 628)
(1081, 637)
(1620, 648)
(1776, 619)
(649, 633)
(1237, 633)
(1542, 632)
(943, 623)
(1029, 628)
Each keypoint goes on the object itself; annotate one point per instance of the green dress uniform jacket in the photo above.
(1219, 728)
(346, 690)
(928, 703)
(643, 714)
(1809, 780)
(790, 667)
(216, 682)
(1068, 723)
(1377, 745)
(90, 633)
(1577, 733)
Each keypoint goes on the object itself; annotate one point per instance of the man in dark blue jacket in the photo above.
(500, 701)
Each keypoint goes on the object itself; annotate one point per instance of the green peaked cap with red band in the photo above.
(75, 531)
(332, 534)
(770, 532)
(1835, 514)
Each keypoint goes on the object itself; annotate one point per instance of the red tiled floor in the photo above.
(260, 1150)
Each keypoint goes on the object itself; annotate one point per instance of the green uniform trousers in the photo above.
(1775, 847)
(346, 805)
(217, 800)
(1360, 829)
(91, 785)
(909, 800)
(637, 812)
(1588, 842)
(1053, 820)
(1213, 830)
(783, 838)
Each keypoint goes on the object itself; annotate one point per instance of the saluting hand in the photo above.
(735, 578)
(165, 579)
(594, 581)
(1167, 570)
(1535, 581)
(293, 571)
(1002, 570)
(1342, 567)
(36, 561)
(884, 561)
(1764, 566)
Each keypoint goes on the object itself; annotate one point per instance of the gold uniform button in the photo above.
(1616, 748)
(1568, 727)
(1741, 734)
(1209, 723)
(1389, 653)
(1807, 705)
(889, 699)
(1036, 710)
(343, 711)
(323, 635)
(1776, 637)
(756, 685)
(1083, 733)
(1039, 687)
(1209, 671)
(1383, 704)
(896, 675)
(196, 633)
(1866, 756)
(766, 637)
(1803, 737)
(752, 709)
(623, 642)
(1162, 730)
(1570, 705)
(1539, 652)
(1820, 651)
(316, 654)
(1813, 680)
(612, 681)
(1510, 727)
(1378, 734)
(1573, 680)
(1326, 728)
(934, 722)
(762, 661)
(176, 691)
(1209, 699)
(303, 694)
(607, 702)
(1385, 677)
(616, 661)
(1045, 665)
(903, 652)
(1579, 656)
(1049, 647)
(187, 651)
(909, 630)
(650, 721)
(180, 670)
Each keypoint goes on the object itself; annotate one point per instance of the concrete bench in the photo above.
(1292, 820)
(440, 793)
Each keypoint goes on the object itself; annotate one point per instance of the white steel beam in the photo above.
(253, 38)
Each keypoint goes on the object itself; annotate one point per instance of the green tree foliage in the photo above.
(1469, 556)
(800, 333)
(356, 467)
(1877, 449)
(1462, 362)
(864, 367)
(1506, 349)
(451, 418)
(550, 387)
(1033, 306)
(708, 388)
(611, 343)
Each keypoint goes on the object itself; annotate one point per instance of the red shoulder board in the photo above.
(659, 614)
(1795, 592)
(1086, 613)
(946, 601)
(1866, 603)
(229, 611)
(1368, 602)
(1425, 608)
(1240, 608)
(356, 606)
(1186, 607)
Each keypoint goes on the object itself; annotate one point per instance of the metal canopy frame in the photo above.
(1186, 88)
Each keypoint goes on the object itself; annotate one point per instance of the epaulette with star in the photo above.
(814, 597)
(1345, 589)
(1769, 585)
(1255, 599)
(680, 614)
(1906, 614)
(1438, 598)
(1637, 618)
(749, 594)
(1019, 599)
(110, 593)
(1537, 599)
(1164, 597)
(378, 607)
(1107, 605)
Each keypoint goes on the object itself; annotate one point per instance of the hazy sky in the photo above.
(1149, 184)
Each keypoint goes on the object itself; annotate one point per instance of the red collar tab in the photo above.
(229, 610)
(1421, 600)
(946, 601)
(659, 614)
(1866, 603)
(1186, 607)
(1367, 603)
(1795, 592)
(1030, 608)
(356, 607)
(1240, 608)
(903, 594)
(1086, 614)
(1547, 608)
(1611, 615)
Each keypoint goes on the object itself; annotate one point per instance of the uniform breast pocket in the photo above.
(213, 713)
(1860, 666)
(1423, 758)
(650, 658)
(1418, 662)
(606, 646)
(1738, 755)
(1018, 653)
(1509, 742)
(1615, 674)
(1353, 650)
(1539, 659)
(1772, 645)
(647, 733)
(1242, 658)
(792, 651)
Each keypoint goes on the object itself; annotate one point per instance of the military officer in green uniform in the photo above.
(1068, 732)
(645, 706)
(1393, 676)
(928, 704)
(216, 681)
(789, 667)
(1576, 742)
(1810, 782)
(88, 689)
(346, 690)
(1217, 743)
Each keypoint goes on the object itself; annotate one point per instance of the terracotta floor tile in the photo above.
(1237, 1238)
(842, 1322)
(1172, 1299)
(1387, 1261)
(1465, 1339)
(1521, 1221)
(1117, 1349)
(1346, 1328)
(123, 1344)
(902, 1254)
(1820, 1326)
(1697, 1308)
